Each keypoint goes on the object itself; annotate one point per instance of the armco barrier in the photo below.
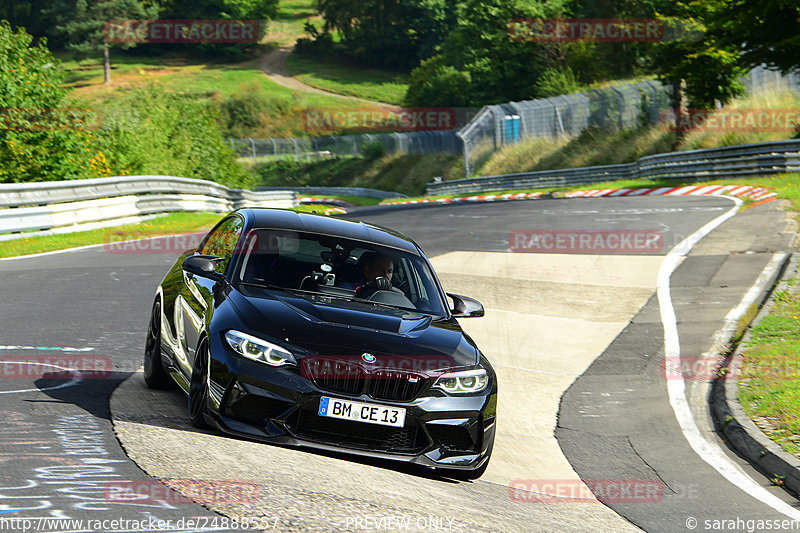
(714, 163)
(336, 191)
(63, 206)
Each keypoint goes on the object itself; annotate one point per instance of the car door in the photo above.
(197, 294)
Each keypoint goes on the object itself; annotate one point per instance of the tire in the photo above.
(198, 387)
(155, 377)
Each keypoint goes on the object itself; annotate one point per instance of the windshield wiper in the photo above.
(269, 286)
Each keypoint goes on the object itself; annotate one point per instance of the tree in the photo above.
(26, 14)
(219, 9)
(600, 61)
(40, 138)
(500, 67)
(709, 68)
(82, 23)
(392, 34)
(766, 32)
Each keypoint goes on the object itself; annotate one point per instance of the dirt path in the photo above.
(273, 65)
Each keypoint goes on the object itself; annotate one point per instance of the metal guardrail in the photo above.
(336, 191)
(28, 209)
(729, 162)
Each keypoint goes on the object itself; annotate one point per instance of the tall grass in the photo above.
(770, 99)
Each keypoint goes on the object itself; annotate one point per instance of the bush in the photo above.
(555, 82)
(320, 46)
(374, 150)
(149, 131)
(243, 111)
(435, 83)
(254, 112)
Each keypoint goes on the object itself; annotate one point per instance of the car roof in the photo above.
(262, 217)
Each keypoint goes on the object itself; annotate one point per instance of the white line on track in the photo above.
(77, 376)
(45, 348)
(676, 388)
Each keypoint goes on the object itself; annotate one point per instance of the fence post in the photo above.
(294, 141)
(494, 127)
(252, 147)
(466, 153)
(654, 110)
(602, 108)
(621, 106)
(398, 143)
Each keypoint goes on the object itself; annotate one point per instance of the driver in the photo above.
(377, 270)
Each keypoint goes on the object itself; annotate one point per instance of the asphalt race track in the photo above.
(577, 340)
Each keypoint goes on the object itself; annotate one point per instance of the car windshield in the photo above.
(337, 267)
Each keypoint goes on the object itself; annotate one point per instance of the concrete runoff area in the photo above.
(539, 333)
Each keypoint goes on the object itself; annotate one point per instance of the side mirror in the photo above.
(203, 266)
(464, 307)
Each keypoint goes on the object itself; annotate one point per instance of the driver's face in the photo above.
(380, 267)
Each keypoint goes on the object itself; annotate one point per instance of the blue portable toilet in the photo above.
(511, 129)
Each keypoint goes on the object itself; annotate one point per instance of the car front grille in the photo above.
(311, 426)
(395, 385)
(352, 379)
(336, 376)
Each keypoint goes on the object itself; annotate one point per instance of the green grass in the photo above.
(283, 114)
(376, 85)
(291, 19)
(163, 225)
(355, 200)
(769, 386)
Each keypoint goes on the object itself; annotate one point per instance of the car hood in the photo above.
(324, 326)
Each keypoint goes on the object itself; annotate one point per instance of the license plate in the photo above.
(362, 412)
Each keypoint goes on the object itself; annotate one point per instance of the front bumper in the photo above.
(278, 405)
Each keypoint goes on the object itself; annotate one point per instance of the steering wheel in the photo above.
(368, 289)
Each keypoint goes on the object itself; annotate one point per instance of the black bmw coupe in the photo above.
(304, 330)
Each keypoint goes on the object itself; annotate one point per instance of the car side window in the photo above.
(222, 242)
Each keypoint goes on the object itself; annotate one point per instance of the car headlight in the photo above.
(466, 382)
(259, 349)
